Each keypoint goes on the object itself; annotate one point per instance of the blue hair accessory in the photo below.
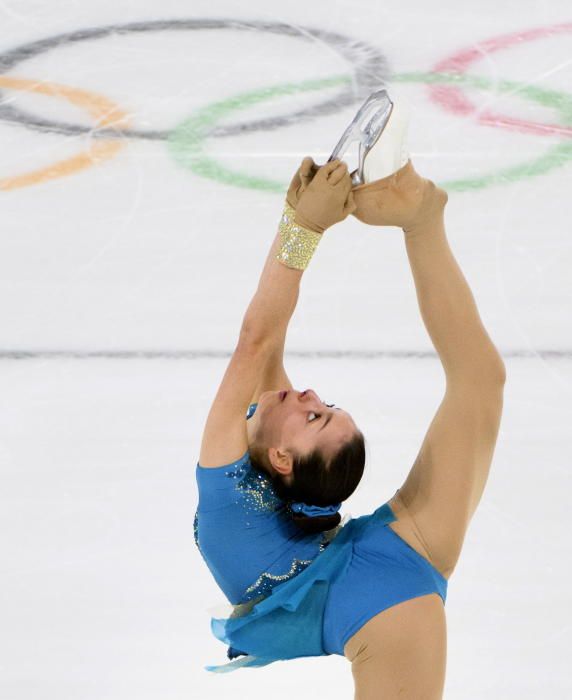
(315, 511)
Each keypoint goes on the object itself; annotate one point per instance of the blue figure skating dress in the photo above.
(292, 594)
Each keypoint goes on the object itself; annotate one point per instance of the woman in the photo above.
(372, 589)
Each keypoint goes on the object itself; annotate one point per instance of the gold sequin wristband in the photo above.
(297, 243)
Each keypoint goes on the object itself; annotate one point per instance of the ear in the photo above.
(281, 461)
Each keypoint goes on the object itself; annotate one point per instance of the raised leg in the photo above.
(447, 480)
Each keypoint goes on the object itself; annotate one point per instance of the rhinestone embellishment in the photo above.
(297, 244)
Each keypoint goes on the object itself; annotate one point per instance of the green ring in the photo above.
(187, 141)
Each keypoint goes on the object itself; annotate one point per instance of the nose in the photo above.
(307, 393)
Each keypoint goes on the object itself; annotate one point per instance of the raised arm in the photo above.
(316, 205)
(315, 202)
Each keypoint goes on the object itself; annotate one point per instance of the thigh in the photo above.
(401, 652)
(407, 529)
(449, 475)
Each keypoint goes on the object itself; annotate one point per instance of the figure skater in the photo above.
(299, 580)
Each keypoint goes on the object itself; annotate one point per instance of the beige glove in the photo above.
(301, 180)
(326, 199)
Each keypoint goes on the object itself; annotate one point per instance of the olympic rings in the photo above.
(453, 100)
(186, 143)
(370, 69)
(103, 110)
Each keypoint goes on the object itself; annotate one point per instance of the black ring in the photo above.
(370, 68)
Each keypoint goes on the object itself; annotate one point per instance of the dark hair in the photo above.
(319, 482)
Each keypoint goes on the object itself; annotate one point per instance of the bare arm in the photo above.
(271, 308)
(256, 363)
(325, 201)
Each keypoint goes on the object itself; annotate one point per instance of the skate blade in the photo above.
(366, 128)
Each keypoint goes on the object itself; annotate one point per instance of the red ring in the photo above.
(453, 100)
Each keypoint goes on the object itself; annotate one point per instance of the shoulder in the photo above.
(233, 464)
(238, 484)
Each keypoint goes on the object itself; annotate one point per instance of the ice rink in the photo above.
(146, 150)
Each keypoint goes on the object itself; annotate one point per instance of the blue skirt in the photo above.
(363, 570)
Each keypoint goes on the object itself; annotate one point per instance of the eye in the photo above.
(318, 415)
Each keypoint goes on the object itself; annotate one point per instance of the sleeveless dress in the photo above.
(292, 594)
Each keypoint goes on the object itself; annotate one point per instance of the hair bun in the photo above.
(314, 524)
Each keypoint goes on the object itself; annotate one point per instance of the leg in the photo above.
(401, 653)
(447, 480)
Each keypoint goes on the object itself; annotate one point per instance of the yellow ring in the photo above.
(104, 111)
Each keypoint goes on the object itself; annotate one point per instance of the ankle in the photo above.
(430, 214)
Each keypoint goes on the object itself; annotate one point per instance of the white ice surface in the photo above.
(103, 593)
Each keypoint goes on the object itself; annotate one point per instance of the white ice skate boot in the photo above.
(380, 126)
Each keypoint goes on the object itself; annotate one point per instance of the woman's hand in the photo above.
(303, 177)
(326, 199)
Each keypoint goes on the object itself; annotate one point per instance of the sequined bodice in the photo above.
(245, 534)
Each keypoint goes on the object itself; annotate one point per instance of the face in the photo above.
(297, 421)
